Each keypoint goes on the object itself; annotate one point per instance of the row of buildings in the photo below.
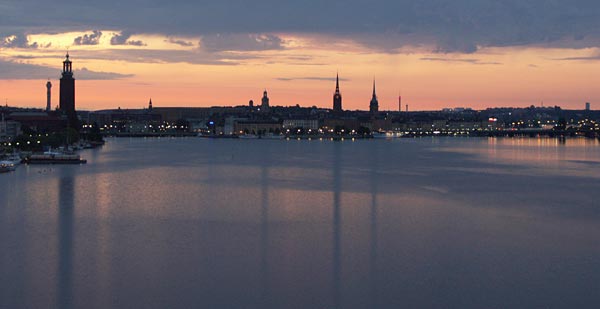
(240, 120)
(267, 119)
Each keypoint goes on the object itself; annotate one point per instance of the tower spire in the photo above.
(374, 95)
(67, 94)
(67, 66)
(374, 105)
(337, 96)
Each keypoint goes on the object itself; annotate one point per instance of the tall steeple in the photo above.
(374, 105)
(264, 106)
(374, 95)
(67, 93)
(337, 96)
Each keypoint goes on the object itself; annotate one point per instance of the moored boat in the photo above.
(14, 159)
(6, 167)
(50, 157)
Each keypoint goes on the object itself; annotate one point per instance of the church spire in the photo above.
(337, 97)
(374, 95)
(374, 105)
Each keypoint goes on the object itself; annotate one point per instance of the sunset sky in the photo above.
(435, 53)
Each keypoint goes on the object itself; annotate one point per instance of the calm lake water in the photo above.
(200, 223)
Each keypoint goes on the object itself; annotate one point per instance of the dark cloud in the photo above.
(241, 42)
(301, 58)
(89, 39)
(86, 74)
(19, 70)
(19, 40)
(135, 43)
(586, 58)
(459, 60)
(165, 56)
(445, 25)
(124, 39)
(180, 42)
(318, 78)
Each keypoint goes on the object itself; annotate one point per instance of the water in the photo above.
(166, 223)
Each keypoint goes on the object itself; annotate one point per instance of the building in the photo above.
(9, 129)
(587, 106)
(331, 125)
(264, 107)
(307, 124)
(124, 118)
(337, 96)
(67, 93)
(374, 105)
(39, 121)
(258, 127)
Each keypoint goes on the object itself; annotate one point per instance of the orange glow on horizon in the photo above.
(303, 73)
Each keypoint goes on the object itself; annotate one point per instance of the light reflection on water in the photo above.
(158, 223)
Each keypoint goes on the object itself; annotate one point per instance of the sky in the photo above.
(434, 53)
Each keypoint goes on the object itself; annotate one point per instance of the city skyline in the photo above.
(462, 55)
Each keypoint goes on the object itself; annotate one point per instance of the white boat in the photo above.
(14, 159)
(6, 166)
(55, 157)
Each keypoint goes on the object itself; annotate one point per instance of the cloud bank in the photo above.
(24, 71)
(449, 26)
(124, 38)
(89, 39)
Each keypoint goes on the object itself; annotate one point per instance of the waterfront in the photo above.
(189, 222)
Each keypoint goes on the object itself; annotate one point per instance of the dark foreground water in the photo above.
(198, 223)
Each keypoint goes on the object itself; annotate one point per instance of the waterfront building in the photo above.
(229, 128)
(67, 93)
(331, 125)
(258, 127)
(306, 124)
(124, 118)
(39, 121)
(9, 129)
(374, 105)
(337, 96)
